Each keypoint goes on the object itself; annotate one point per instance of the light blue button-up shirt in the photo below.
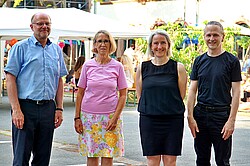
(37, 69)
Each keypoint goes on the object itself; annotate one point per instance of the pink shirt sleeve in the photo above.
(82, 79)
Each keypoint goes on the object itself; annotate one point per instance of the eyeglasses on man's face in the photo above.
(103, 41)
(41, 24)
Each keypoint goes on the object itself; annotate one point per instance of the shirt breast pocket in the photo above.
(53, 64)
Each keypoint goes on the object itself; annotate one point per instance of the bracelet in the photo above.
(76, 118)
(60, 109)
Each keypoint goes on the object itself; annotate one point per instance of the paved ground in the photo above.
(65, 153)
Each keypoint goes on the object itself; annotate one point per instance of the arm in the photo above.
(78, 73)
(120, 105)
(138, 82)
(17, 115)
(182, 80)
(228, 128)
(78, 122)
(245, 65)
(59, 103)
(190, 106)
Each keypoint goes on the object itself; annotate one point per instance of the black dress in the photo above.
(161, 110)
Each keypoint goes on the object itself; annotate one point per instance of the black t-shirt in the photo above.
(215, 76)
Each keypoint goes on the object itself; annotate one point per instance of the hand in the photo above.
(58, 118)
(18, 119)
(193, 126)
(112, 123)
(78, 126)
(228, 129)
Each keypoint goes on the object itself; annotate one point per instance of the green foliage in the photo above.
(187, 54)
(230, 39)
(17, 2)
(244, 41)
(142, 43)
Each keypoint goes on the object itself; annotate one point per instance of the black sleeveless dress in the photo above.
(161, 110)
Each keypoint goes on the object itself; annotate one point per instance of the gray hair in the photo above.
(217, 24)
(37, 14)
(163, 33)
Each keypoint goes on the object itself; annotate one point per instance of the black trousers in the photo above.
(36, 135)
(210, 122)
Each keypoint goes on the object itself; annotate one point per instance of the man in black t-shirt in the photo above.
(216, 76)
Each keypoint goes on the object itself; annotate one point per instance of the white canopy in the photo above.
(67, 23)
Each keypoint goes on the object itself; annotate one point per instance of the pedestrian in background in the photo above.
(78, 68)
(35, 89)
(129, 70)
(246, 66)
(130, 51)
(101, 97)
(161, 87)
(216, 76)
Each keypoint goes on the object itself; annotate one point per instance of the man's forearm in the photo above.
(12, 91)
(190, 104)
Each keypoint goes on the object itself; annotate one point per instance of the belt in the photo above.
(38, 102)
(213, 108)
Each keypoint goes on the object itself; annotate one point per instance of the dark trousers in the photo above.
(36, 135)
(210, 122)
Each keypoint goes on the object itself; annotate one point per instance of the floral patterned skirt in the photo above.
(96, 141)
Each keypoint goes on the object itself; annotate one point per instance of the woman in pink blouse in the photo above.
(100, 100)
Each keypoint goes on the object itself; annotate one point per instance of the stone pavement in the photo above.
(65, 153)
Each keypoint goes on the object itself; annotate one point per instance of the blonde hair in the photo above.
(125, 60)
(111, 39)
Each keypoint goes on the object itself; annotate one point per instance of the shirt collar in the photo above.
(36, 42)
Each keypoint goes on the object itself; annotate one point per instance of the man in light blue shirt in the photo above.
(35, 89)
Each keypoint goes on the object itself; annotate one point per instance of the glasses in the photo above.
(41, 24)
(102, 41)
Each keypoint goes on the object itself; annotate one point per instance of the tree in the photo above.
(188, 43)
(244, 42)
(2, 2)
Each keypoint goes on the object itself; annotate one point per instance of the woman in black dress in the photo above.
(161, 87)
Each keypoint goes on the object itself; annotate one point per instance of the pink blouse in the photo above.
(101, 83)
